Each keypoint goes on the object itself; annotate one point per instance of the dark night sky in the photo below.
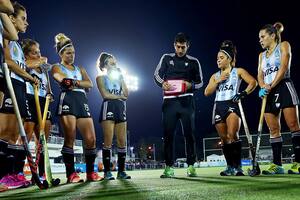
(139, 32)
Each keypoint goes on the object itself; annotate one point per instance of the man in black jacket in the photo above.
(179, 75)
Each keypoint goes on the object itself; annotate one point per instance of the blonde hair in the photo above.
(61, 42)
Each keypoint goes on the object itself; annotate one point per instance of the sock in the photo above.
(106, 155)
(68, 157)
(41, 164)
(10, 159)
(3, 154)
(276, 144)
(228, 154)
(237, 153)
(296, 145)
(20, 159)
(90, 155)
(121, 159)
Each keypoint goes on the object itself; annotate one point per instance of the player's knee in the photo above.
(293, 125)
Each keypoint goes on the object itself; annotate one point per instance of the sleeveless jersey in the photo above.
(17, 55)
(43, 85)
(270, 65)
(228, 88)
(73, 74)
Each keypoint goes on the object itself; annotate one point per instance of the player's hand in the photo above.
(222, 78)
(239, 96)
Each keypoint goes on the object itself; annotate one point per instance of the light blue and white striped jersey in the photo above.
(17, 55)
(73, 74)
(270, 65)
(113, 86)
(228, 88)
(43, 85)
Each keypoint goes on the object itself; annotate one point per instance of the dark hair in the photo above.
(17, 7)
(276, 28)
(61, 42)
(229, 49)
(27, 44)
(182, 38)
(102, 59)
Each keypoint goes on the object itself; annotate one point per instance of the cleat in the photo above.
(191, 171)
(11, 182)
(74, 178)
(93, 176)
(294, 168)
(168, 173)
(229, 171)
(21, 177)
(123, 175)
(239, 172)
(273, 169)
(108, 176)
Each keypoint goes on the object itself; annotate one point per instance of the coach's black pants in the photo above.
(182, 109)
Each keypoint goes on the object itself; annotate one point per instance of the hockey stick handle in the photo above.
(262, 112)
(249, 137)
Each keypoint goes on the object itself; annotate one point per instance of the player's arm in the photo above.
(9, 32)
(250, 80)
(211, 87)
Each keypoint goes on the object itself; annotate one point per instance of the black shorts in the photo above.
(32, 113)
(282, 96)
(73, 103)
(222, 109)
(20, 92)
(114, 110)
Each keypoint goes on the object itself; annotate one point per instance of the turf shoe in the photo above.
(21, 177)
(238, 171)
(273, 169)
(191, 171)
(11, 182)
(74, 178)
(123, 175)
(294, 168)
(93, 176)
(168, 173)
(229, 171)
(108, 176)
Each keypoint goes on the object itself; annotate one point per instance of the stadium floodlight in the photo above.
(130, 80)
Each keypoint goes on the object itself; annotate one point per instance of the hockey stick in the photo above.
(249, 137)
(42, 138)
(32, 165)
(254, 171)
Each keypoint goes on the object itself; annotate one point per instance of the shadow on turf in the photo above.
(127, 188)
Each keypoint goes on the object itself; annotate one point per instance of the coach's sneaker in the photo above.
(238, 171)
(168, 173)
(294, 168)
(108, 176)
(229, 171)
(3, 187)
(123, 175)
(93, 176)
(74, 178)
(273, 169)
(191, 171)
